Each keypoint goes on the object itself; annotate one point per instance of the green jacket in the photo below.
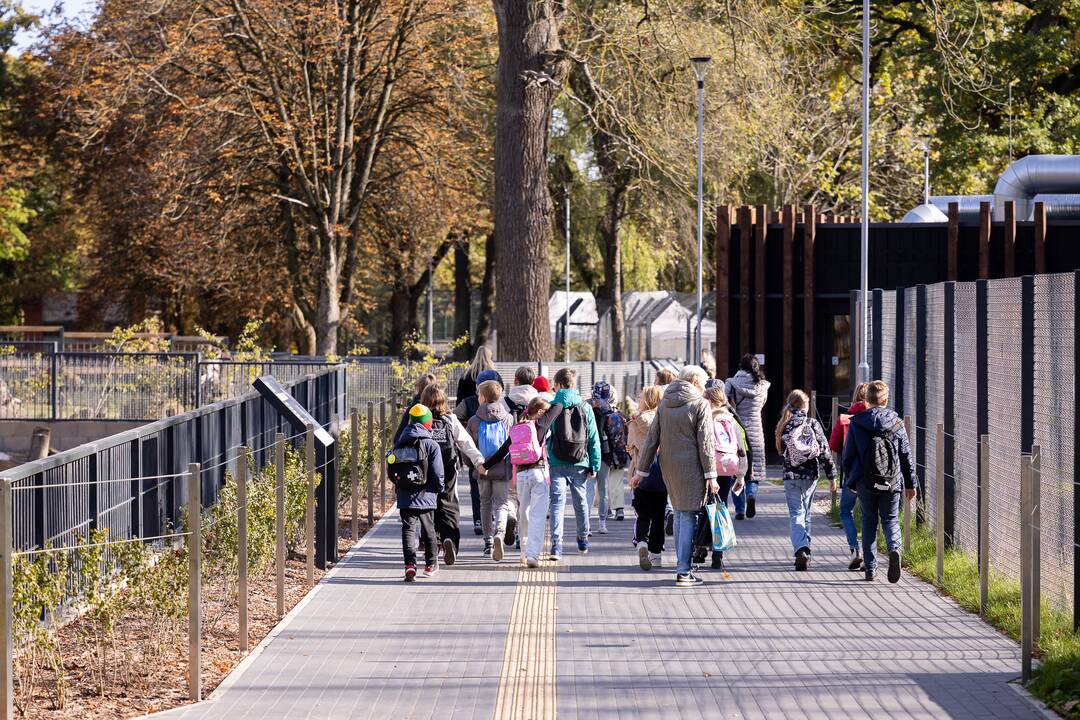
(591, 461)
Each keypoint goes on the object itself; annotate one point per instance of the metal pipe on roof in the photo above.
(1032, 175)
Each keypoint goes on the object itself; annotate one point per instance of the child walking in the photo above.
(528, 455)
(415, 467)
(489, 428)
(649, 493)
(801, 441)
(729, 444)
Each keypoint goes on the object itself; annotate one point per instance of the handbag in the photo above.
(723, 530)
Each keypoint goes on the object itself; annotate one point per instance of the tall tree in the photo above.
(530, 73)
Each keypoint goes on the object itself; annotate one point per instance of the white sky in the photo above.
(70, 9)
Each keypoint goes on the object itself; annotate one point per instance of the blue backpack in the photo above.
(490, 436)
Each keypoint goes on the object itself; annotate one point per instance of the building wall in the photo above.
(15, 435)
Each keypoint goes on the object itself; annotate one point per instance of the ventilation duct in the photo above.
(969, 205)
(1062, 206)
(925, 214)
(1033, 175)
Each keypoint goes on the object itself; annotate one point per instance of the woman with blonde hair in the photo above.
(801, 441)
(649, 494)
(482, 361)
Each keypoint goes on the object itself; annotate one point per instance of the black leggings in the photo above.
(649, 527)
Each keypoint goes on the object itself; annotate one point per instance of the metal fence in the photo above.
(133, 483)
(998, 358)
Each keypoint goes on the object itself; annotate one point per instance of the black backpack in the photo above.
(407, 467)
(570, 436)
(880, 462)
(444, 438)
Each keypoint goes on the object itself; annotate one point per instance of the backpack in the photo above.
(407, 467)
(444, 438)
(490, 435)
(801, 444)
(726, 446)
(615, 430)
(654, 482)
(570, 436)
(880, 463)
(525, 448)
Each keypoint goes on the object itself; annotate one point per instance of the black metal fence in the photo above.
(133, 483)
(999, 358)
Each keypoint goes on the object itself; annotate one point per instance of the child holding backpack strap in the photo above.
(415, 467)
(528, 456)
(801, 441)
(489, 429)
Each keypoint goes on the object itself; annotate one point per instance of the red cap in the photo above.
(540, 384)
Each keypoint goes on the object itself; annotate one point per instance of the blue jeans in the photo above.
(561, 476)
(848, 497)
(886, 507)
(685, 528)
(800, 500)
(740, 499)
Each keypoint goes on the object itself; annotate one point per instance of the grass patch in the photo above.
(1056, 681)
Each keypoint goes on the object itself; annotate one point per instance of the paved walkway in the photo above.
(599, 638)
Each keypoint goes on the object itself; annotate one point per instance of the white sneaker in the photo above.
(497, 549)
(644, 561)
(532, 562)
(656, 560)
(603, 527)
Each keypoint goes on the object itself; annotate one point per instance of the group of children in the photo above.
(527, 449)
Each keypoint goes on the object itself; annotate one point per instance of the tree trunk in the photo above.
(462, 299)
(530, 71)
(611, 289)
(404, 305)
(487, 294)
(328, 314)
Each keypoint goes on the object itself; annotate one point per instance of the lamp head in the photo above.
(701, 64)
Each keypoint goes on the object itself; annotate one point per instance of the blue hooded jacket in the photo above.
(426, 498)
(876, 421)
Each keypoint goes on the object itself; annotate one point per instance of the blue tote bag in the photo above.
(723, 530)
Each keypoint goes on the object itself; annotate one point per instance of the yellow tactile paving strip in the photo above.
(527, 680)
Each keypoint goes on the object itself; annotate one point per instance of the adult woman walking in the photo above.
(747, 390)
(482, 361)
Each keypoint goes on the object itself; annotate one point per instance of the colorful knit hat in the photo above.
(541, 384)
(420, 414)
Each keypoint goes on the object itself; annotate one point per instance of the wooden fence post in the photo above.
(194, 518)
(354, 466)
(984, 524)
(939, 507)
(382, 445)
(242, 548)
(374, 457)
(279, 520)
(904, 498)
(1026, 624)
(7, 643)
(309, 514)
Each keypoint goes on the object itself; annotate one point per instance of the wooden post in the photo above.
(1010, 239)
(984, 524)
(788, 252)
(242, 548)
(835, 415)
(354, 468)
(760, 230)
(939, 507)
(1026, 624)
(984, 240)
(723, 281)
(904, 498)
(954, 239)
(1040, 238)
(383, 432)
(7, 643)
(374, 458)
(746, 242)
(279, 520)
(1036, 544)
(194, 518)
(809, 236)
(309, 513)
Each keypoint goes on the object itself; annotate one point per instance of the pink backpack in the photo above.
(726, 446)
(524, 446)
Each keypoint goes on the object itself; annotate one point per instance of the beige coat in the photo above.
(683, 435)
(635, 438)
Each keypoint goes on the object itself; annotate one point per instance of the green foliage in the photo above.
(38, 592)
(421, 359)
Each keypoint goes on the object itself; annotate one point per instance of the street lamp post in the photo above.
(864, 344)
(701, 65)
(566, 322)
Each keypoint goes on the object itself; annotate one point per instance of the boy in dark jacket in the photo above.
(417, 506)
(863, 465)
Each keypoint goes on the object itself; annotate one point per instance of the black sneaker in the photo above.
(700, 553)
(477, 528)
(802, 559)
(688, 580)
(510, 536)
(449, 551)
(669, 525)
(620, 514)
(751, 507)
(717, 561)
(894, 566)
(856, 562)
(869, 575)
(488, 546)
(410, 573)
(740, 516)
